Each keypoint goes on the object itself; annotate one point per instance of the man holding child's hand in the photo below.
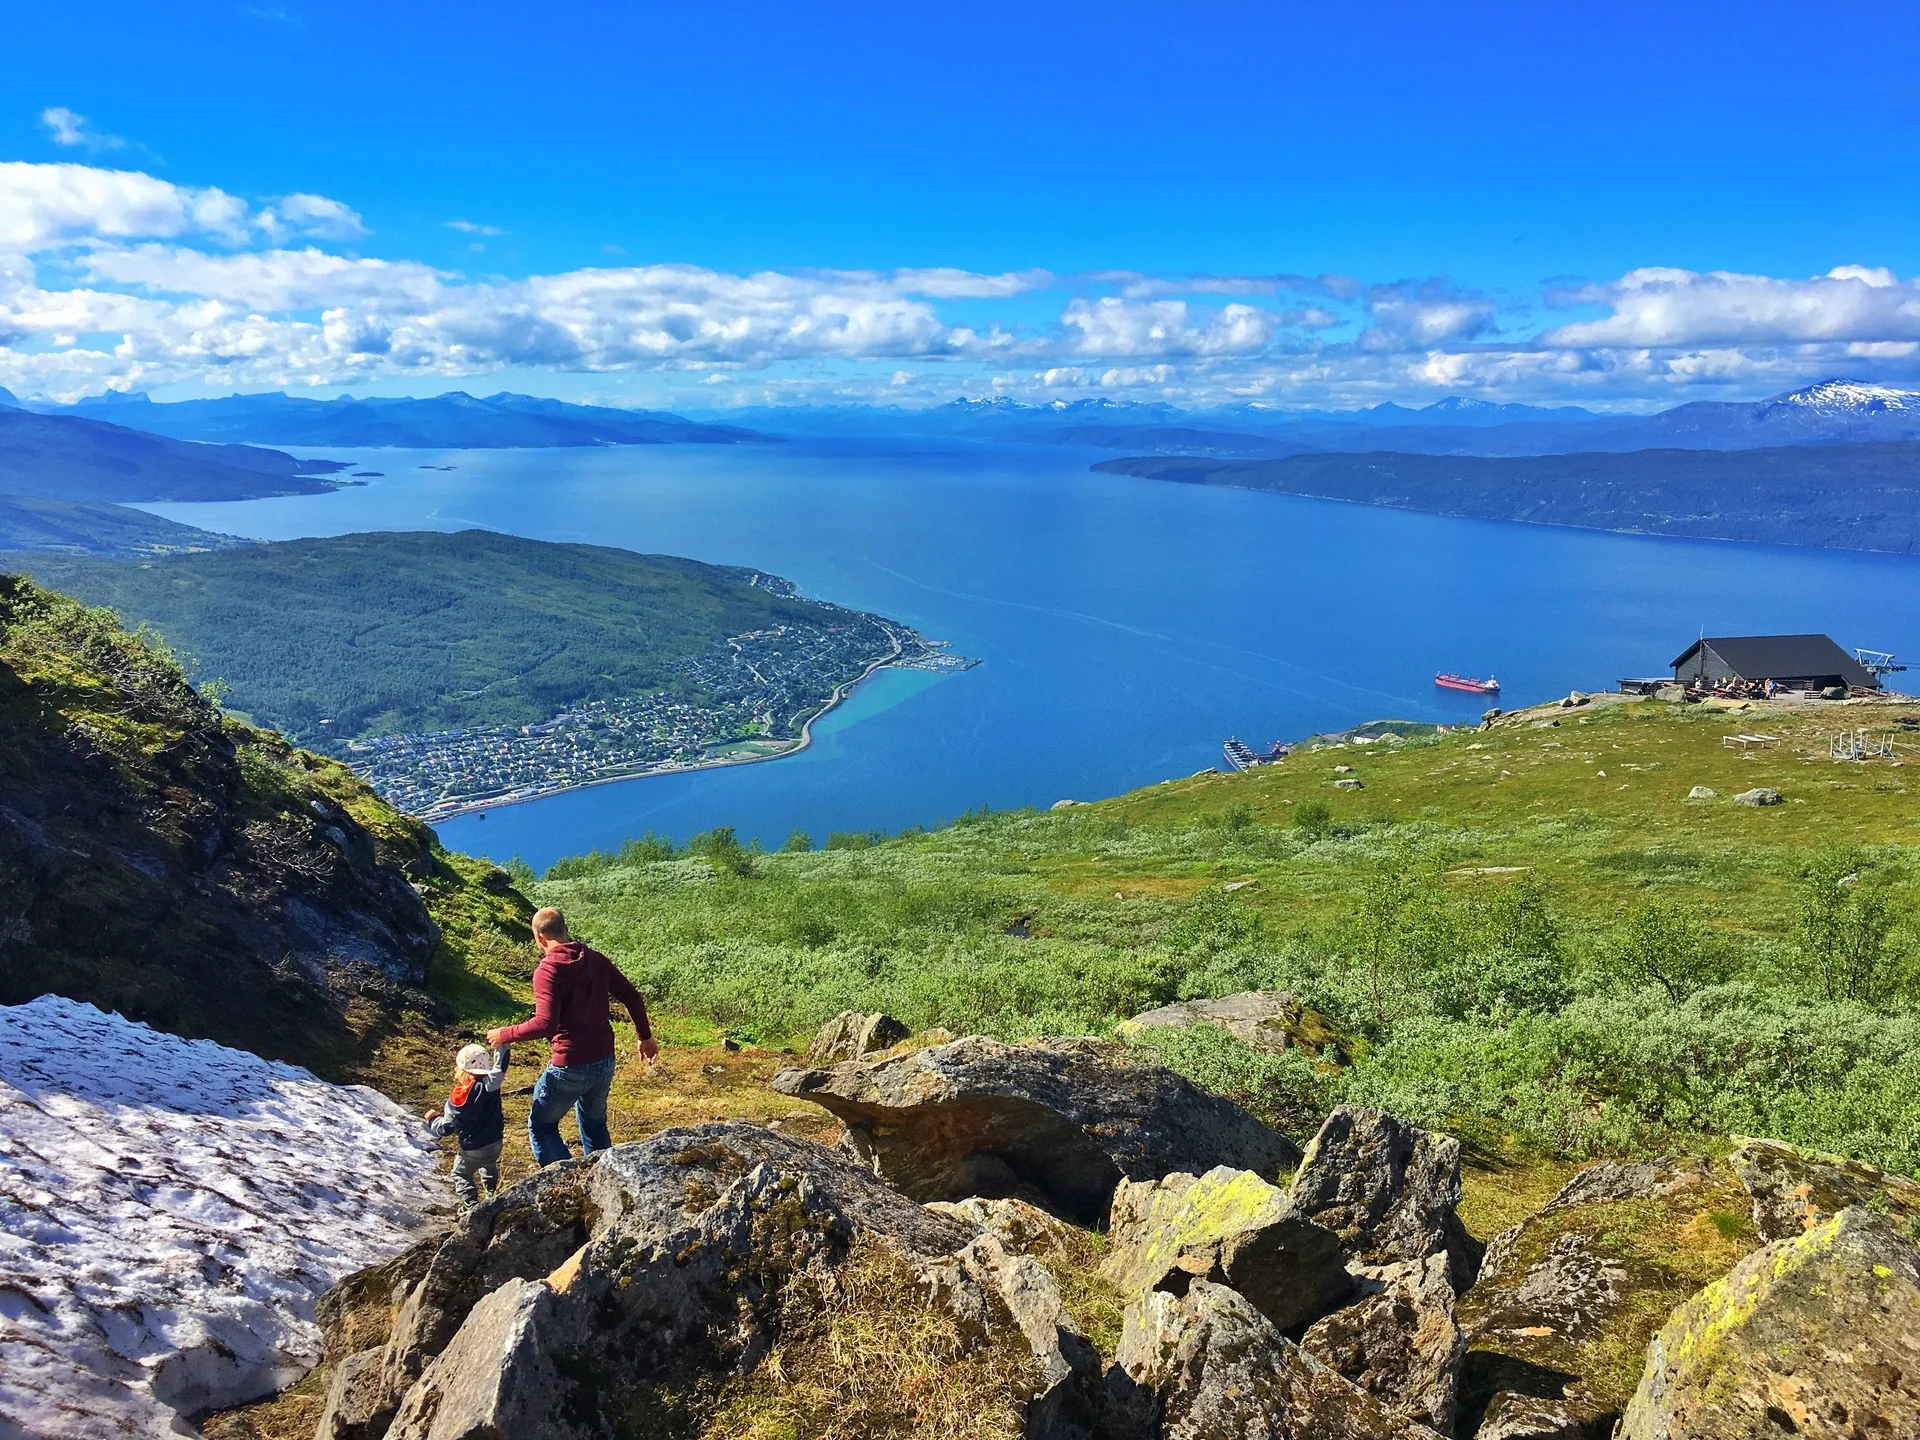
(572, 987)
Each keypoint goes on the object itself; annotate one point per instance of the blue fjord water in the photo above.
(1126, 626)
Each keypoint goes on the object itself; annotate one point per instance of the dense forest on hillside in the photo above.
(379, 633)
(67, 527)
(1846, 497)
(1531, 937)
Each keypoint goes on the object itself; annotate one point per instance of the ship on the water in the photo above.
(1242, 757)
(1448, 681)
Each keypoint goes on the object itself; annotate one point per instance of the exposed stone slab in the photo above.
(1266, 1020)
(1401, 1343)
(1067, 1120)
(850, 1035)
(1207, 1365)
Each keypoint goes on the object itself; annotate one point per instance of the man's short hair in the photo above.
(550, 924)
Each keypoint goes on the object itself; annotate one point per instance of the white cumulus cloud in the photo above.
(1663, 307)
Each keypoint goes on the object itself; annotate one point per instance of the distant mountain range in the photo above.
(1833, 412)
(1849, 497)
(454, 421)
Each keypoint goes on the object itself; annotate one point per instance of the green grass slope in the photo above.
(1528, 935)
(388, 632)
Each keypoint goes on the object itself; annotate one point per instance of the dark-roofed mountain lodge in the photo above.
(1792, 662)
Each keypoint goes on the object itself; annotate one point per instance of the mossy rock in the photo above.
(1815, 1335)
(1568, 1299)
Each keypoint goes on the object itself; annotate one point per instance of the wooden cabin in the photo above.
(1793, 662)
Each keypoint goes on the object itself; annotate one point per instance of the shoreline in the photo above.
(840, 694)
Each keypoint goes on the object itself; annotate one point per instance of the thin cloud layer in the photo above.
(115, 278)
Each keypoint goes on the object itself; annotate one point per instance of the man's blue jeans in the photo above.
(584, 1087)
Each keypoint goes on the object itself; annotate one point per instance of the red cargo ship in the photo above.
(1488, 686)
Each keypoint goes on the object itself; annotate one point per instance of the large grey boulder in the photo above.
(1794, 1191)
(1229, 1227)
(1387, 1189)
(1817, 1335)
(1207, 1365)
(1065, 1120)
(1266, 1020)
(689, 1244)
(851, 1035)
(1567, 1300)
(1760, 795)
(1400, 1343)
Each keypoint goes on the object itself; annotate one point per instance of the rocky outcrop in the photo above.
(1063, 1120)
(1387, 1189)
(1817, 1335)
(1400, 1343)
(1024, 1229)
(165, 862)
(851, 1035)
(1794, 1191)
(564, 1303)
(1207, 1364)
(1566, 1301)
(1266, 1020)
(1232, 1228)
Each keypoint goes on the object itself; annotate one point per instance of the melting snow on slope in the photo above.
(169, 1212)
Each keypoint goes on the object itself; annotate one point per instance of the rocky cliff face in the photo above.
(159, 859)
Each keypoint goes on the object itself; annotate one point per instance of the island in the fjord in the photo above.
(458, 671)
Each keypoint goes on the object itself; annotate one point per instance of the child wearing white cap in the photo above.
(473, 1112)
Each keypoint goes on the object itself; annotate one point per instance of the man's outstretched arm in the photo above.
(624, 990)
(540, 1027)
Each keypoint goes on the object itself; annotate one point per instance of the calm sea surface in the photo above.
(1126, 627)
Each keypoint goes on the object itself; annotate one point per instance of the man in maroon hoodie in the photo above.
(571, 988)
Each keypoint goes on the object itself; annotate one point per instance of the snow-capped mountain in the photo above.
(1845, 399)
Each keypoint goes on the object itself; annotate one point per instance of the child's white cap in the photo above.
(474, 1059)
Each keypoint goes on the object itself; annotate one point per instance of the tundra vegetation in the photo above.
(1528, 936)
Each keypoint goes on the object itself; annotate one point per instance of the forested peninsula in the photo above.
(1842, 497)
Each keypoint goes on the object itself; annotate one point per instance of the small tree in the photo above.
(1396, 933)
(1846, 927)
(1663, 944)
(1313, 819)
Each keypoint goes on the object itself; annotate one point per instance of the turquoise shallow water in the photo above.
(1126, 626)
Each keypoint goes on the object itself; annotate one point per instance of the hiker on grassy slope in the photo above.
(572, 986)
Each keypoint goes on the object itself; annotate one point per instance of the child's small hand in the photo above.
(430, 1116)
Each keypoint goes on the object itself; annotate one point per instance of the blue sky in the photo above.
(1611, 205)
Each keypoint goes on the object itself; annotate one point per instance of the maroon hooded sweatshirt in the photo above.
(571, 986)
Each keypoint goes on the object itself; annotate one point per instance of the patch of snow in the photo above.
(1847, 397)
(169, 1212)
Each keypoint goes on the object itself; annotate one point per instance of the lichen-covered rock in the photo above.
(689, 1243)
(1265, 1020)
(1024, 1229)
(1387, 1189)
(851, 1035)
(1760, 795)
(1230, 1227)
(1794, 1191)
(1558, 1322)
(1208, 1366)
(1064, 1119)
(1399, 1343)
(1817, 1335)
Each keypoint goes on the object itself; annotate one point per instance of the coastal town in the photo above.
(752, 698)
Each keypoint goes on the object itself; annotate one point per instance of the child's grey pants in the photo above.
(475, 1170)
